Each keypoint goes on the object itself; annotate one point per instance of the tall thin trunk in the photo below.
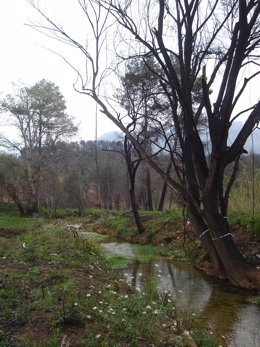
(164, 188)
(149, 190)
(134, 206)
(132, 172)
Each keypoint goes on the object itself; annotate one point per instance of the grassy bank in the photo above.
(169, 232)
(58, 290)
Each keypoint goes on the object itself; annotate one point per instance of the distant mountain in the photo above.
(111, 136)
(118, 136)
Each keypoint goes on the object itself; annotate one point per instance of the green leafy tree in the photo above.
(38, 115)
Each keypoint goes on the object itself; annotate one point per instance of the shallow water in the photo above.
(220, 307)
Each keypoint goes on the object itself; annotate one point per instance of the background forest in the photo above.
(89, 174)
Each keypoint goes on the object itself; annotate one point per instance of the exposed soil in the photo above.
(8, 233)
(37, 327)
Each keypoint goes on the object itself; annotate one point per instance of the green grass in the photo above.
(118, 262)
(250, 223)
(204, 340)
(244, 191)
(11, 221)
(255, 300)
(148, 252)
(55, 283)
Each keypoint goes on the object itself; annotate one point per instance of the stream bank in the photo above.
(56, 289)
(218, 306)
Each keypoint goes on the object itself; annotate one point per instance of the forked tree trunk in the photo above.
(137, 218)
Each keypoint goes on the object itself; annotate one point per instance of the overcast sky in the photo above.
(24, 58)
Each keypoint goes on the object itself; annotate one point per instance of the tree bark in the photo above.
(201, 231)
(148, 189)
(237, 269)
(164, 188)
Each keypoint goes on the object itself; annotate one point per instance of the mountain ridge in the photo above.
(252, 143)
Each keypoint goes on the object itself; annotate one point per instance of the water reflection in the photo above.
(246, 329)
(119, 249)
(220, 307)
(187, 287)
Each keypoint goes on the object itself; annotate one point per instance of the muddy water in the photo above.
(219, 307)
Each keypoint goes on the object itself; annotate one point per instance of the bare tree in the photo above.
(216, 42)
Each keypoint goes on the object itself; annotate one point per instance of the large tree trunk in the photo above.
(32, 206)
(238, 270)
(214, 267)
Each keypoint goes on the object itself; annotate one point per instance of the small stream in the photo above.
(220, 307)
